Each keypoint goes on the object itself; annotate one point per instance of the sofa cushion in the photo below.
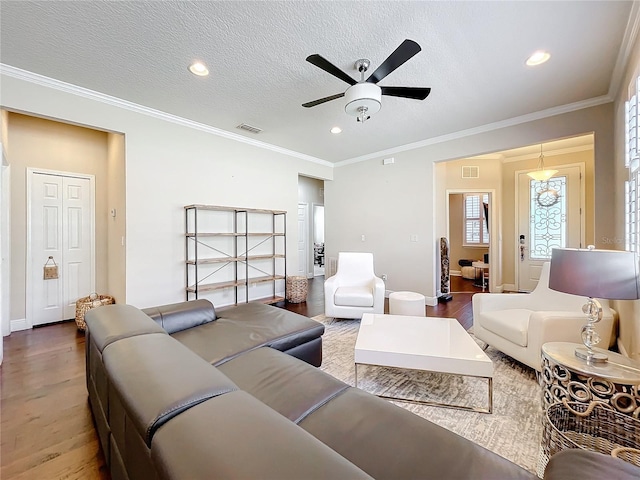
(512, 324)
(290, 386)
(183, 315)
(359, 296)
(391, 443)
(248, 326)
(235, 436)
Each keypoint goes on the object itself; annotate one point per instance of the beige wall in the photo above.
(38, 143)
(116, 226)
(489, 180)
(509, 202)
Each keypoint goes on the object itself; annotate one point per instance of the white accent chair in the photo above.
(354, 290)
(519, 324)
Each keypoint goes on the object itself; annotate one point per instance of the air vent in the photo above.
(471, 172)
(249, 128)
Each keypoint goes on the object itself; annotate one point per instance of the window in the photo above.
(632, 162)
(476, 222)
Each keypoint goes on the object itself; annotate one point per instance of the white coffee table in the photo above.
(422, 343)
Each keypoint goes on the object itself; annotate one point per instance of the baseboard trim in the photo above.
(20, 324)
(509, 287)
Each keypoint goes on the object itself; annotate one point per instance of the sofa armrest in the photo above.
(557, 326)
(378, 294)
(331, 284)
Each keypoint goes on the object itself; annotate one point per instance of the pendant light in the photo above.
(542, 175)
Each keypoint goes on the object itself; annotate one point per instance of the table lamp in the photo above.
(609, 274)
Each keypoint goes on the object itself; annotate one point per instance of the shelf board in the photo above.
(268, 278)
(233, 209)
(205, 261)
(260, 257)
(219, 234)
(209, 287)
(239, 234)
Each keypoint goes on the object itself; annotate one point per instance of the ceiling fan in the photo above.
(364, 97)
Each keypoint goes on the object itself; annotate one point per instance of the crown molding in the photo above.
(52, 83)
(42, 80)
(626, 48)
(530, 117)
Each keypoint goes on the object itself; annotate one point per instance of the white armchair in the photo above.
(519, 324)
(354, 290)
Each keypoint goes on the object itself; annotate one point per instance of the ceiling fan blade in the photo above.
(322, 100)
(329, 67)
(404, 52)
(417, 93)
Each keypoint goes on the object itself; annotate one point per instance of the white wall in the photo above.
(169, 165)
(388, 203)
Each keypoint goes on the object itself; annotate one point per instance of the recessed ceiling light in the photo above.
(538, 57)
(198, 68)
(336, 130)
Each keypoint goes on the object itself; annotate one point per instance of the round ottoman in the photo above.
(297, 289)
(407, 303)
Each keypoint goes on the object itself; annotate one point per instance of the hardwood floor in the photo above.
(46, 427)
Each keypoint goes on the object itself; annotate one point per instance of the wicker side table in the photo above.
(565, 377)
(297, 288)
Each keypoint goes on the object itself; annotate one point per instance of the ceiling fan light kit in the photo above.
(364, 98)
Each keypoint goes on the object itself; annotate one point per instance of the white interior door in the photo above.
(61, 227)
(549, 216)
(303, 239)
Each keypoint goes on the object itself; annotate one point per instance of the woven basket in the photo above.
(297, 289)
(594, 427)
(85, 304)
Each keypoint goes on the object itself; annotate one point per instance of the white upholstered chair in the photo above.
(519, 324)
(354, 290)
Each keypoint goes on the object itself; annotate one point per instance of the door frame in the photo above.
(583, 201)
(313, 234)
(29, 264)
(305, 229)
(494, 232)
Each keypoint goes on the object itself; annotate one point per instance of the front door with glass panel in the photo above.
(549, 216)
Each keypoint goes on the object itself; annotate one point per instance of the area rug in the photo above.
(513, 430)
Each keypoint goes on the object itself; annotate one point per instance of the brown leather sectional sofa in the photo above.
(178, 392)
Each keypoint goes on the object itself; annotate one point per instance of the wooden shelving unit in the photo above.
(235, 251)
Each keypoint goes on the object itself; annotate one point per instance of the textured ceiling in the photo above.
(472, 57)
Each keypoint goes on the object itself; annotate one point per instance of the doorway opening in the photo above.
(310, 226)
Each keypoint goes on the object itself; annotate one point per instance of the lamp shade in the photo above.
(609, 274)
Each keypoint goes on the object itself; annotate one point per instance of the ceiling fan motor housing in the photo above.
(360, 95)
